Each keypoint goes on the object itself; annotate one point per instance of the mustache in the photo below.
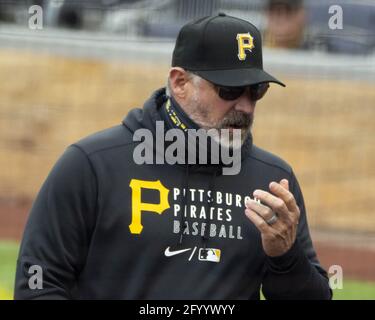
(237, 119)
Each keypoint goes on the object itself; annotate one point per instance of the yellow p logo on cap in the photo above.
(245, 42)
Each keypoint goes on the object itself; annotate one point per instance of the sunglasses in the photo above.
(256, 91)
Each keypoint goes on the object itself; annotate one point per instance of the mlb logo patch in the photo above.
(209, 254)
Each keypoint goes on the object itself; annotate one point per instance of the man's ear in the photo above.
(178, 78)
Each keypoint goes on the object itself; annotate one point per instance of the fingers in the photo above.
(278, 237)
(265, 212)
(275, 203)
(285, 184)
(281, 190)
(258, 221)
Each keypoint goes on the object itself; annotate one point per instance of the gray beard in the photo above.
(234, 119)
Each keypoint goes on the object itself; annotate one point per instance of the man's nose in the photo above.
(245, 104)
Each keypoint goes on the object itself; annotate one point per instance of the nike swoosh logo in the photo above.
(169, 253)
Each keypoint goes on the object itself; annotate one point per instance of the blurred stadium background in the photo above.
(94, 60)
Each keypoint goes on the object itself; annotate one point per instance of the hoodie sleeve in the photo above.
(297, 274)
(58, 230)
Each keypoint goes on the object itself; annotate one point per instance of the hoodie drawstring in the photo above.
(184, 206)
(208, 209)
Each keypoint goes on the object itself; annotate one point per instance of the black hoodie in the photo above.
(104, 227)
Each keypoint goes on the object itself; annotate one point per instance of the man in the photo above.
(286, 22)
(104, 226)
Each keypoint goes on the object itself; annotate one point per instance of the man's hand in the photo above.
(278, 237)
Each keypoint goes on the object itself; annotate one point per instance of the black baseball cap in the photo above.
(222, 49)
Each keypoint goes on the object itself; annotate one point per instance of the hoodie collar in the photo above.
(152, 112)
